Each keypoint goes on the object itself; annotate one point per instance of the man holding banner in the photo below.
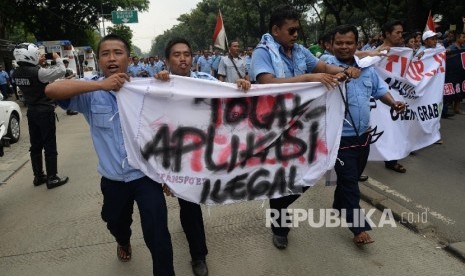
(355, 141)
(392, 33)
(121, 184)
(178, 53)
(278, 59)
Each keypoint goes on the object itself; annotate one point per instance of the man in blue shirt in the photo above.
(204, 63)
(355, 141)
(248, 62)
(151, 67)
(279, 59)
(4, 83)
(137, 69)
(216, 58)
(121, 184)
(178, 53)
(160, 65)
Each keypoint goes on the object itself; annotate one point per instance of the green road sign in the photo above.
(123, 17)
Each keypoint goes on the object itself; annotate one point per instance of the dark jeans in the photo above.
(42, 132)
(192, 223)
(353, 153)
(281, 204)
(117, 209)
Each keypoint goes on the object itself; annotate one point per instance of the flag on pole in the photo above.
(219, 36)
(430, 24)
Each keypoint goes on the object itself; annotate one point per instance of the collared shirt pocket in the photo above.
(101, 115)
(301, 65)
(368, 88)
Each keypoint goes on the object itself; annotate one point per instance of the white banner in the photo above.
(213, 144)
(419, 83)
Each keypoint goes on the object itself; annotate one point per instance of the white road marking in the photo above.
(395, 193)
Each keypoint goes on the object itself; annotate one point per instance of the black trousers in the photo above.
(117, 209)
(192, 223)
(42, 132)
(281, 204)
(353, 153)
(5, 91)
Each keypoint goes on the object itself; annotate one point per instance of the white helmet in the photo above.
(27, 52)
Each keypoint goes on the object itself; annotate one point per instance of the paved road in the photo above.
(59, 232)
(434, 182)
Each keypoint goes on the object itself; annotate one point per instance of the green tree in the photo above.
(56, 19)
(136, 51)
(123, 31)
(246, 21)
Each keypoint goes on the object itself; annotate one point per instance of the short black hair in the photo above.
(232, 41)
(282, 13)
(343, 29)
(409, 35)
(388, 27)
(113, 37)
(328, 36)
(174, 41)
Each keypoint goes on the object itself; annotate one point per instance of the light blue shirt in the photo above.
(133, 70)
(160, 65)
(205, 64)
(203, 76)
(151, 69)
(325, 56)
(248, 61)
(101, 112)
(3, 77)
(368, 47)
(216, 62)
(301, 62)
(358, 94)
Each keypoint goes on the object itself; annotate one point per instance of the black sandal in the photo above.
(397, 168)
(124, 253)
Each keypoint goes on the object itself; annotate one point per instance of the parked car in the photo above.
(10, 116)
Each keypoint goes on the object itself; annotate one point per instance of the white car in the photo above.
(10, 116)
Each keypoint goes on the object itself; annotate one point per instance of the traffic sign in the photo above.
(123, 17)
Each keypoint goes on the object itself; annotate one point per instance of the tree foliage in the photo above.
(246, 21)
(57, 19)
(121, 30)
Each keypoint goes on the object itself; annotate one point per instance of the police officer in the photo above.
(32, 79)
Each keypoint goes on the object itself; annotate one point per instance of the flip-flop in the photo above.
(124, 253)
(362, 239)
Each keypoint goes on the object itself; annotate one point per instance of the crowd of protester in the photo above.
(276, 59)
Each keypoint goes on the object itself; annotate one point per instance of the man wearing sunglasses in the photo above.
(279, 59)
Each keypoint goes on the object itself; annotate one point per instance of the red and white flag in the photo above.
(430, 24)
(219, 36)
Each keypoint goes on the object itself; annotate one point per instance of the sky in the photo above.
(160, 17)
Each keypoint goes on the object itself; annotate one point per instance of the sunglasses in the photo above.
(292, 31)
